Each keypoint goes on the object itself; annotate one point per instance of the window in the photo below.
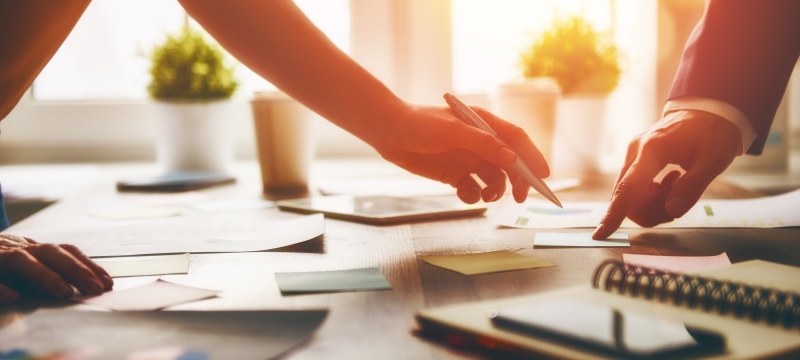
(105, 56)
(488, 36)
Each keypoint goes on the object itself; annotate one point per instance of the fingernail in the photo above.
(598, 232)
(464, 193)
(107, 281)
(506, 157)
(676, 207)
(93, 285)
(63, 289)
(492, 197)
(8, 296)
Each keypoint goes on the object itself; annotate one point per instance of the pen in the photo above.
(470, 117)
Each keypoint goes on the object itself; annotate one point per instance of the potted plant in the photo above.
(586, 65)
(192, 86)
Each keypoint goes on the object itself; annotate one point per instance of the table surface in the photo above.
(379, 324)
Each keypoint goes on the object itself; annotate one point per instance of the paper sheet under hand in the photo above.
(145, 239)
(153, 296)
(488, 262)
(145, 265)
(765, 212)
(677, 264)
(134, 213)
(332, 281)
(579, 239)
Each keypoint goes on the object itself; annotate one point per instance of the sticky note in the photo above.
(154, 296)
(134, 213)
(332, 281)
(677, 264)
(579, 239)
(145, 265)
(488, 262)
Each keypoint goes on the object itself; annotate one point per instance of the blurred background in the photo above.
(90, 103)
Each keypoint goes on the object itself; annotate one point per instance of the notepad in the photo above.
(145, 265)
(488, 262)
(332, 281)
(579, 239)
(745, 338)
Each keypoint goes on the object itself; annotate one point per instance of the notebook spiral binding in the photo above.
(755, 303)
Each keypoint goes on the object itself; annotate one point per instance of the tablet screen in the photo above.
(381, 209)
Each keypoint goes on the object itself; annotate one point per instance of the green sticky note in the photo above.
(483, 263)
(332, 281)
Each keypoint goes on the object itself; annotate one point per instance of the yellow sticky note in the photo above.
(483, 263)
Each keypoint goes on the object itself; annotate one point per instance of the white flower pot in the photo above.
(531, 105)
(194, 136)
(578, 134)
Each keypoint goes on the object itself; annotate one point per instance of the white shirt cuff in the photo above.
(719, 108)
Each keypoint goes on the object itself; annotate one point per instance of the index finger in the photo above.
(626, 193)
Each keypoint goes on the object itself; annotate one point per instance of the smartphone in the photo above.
(381, 210)
(608, 330)
(175, 181)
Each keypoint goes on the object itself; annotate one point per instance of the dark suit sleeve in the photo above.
(742, 52)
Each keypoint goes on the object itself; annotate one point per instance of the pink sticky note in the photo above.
(153, 296)
(677, 264)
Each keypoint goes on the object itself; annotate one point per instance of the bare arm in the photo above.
(30, 33)
(277, 41)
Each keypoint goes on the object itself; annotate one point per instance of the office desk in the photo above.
(378, 324)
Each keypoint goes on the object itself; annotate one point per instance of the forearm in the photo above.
(30, 34)
(277, 41)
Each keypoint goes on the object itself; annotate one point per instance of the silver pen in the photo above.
(470, 117)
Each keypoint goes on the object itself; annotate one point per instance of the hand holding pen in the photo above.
(520, 167)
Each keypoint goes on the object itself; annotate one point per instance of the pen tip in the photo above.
(555, 201)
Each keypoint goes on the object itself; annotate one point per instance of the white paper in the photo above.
(134, 213)
(146, 239)
(145, 265)
(157, 295)
(765, 212)
(233, 205)
(579, 239)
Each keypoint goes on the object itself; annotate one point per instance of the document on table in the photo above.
(74, 334)
(145, 265)
(134, 213)
(332, 281)
(144, 239)
(579, 239)
(765, 212)
(484, 263)
(154, 296)
(410, 186)
(677, 264)
(234, 205)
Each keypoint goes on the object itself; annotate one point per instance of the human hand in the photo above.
(27, 265)
(433, 142)
(701, 143)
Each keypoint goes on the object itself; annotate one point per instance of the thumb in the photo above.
(688, 189)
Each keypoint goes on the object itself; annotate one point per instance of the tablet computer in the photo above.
(381, 209)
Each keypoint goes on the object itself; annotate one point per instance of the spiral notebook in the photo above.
(760, 316)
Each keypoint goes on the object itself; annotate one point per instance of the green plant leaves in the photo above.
(578, 57)
(187, 67)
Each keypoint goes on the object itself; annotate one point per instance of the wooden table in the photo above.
(378, 324)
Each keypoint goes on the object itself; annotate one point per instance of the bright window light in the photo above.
(488, 36)
(104, 58)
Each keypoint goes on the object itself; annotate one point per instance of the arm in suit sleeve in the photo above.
(742, 52)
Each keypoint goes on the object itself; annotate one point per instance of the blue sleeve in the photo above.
(3, 218)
